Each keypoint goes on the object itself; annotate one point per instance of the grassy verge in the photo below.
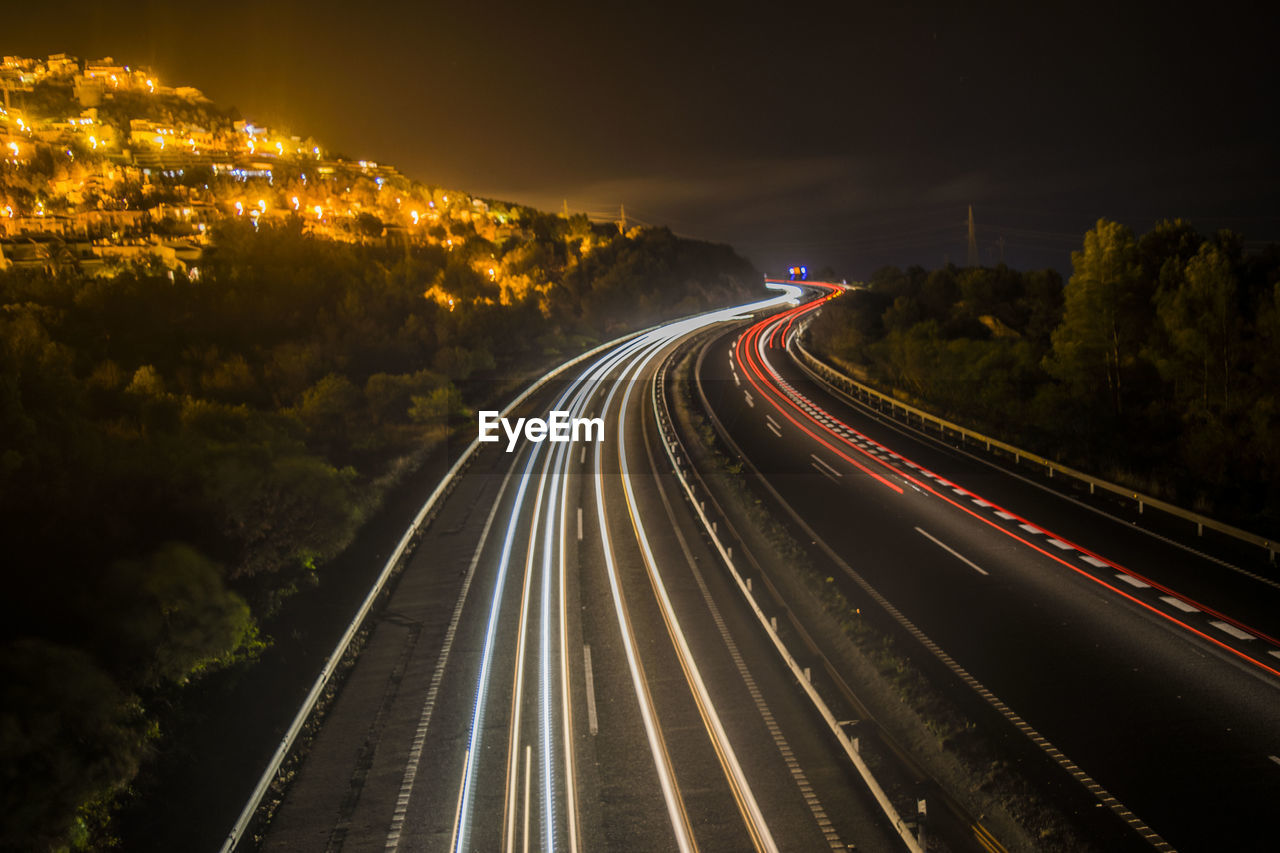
(921, 714)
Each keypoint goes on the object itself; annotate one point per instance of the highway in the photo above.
(565, 664)
(1145, 672)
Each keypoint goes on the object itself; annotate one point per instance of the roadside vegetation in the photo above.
(1156, 366)
(178, 453)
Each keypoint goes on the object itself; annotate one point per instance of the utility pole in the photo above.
(973, 241)
(622, 219)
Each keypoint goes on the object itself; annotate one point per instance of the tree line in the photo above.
(178, 452)
(1156, 365)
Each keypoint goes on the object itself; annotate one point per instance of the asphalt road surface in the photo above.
(1145, 670)
(564, 665)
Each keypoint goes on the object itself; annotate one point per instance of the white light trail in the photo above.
(635, 352)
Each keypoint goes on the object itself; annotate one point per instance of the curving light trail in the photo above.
(761, 837)
(545, 571)
(751, 352)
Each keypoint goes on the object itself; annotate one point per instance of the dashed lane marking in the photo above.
(1228, 628)
(952, 551)
(824, 472)
(1058, 543)
(593, 722)
(1094, 561)
(823, 466)
(1179, 603)
(1132, 581)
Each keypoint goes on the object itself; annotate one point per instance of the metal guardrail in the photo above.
(675, 454)
(858, 391)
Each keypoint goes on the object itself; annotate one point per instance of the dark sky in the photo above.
(850, 134)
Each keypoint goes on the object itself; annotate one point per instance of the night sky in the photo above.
(852, 135)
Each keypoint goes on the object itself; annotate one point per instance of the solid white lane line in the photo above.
(1132, 581)
(1228, 628)
(1031, 528)
(1178, 603)
(1093, 561)
(952, 551)
(1058, 543)
(593, 722)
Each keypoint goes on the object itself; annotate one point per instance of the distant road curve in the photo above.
(1160, 703)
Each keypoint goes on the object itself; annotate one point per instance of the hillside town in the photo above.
(105, 167)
